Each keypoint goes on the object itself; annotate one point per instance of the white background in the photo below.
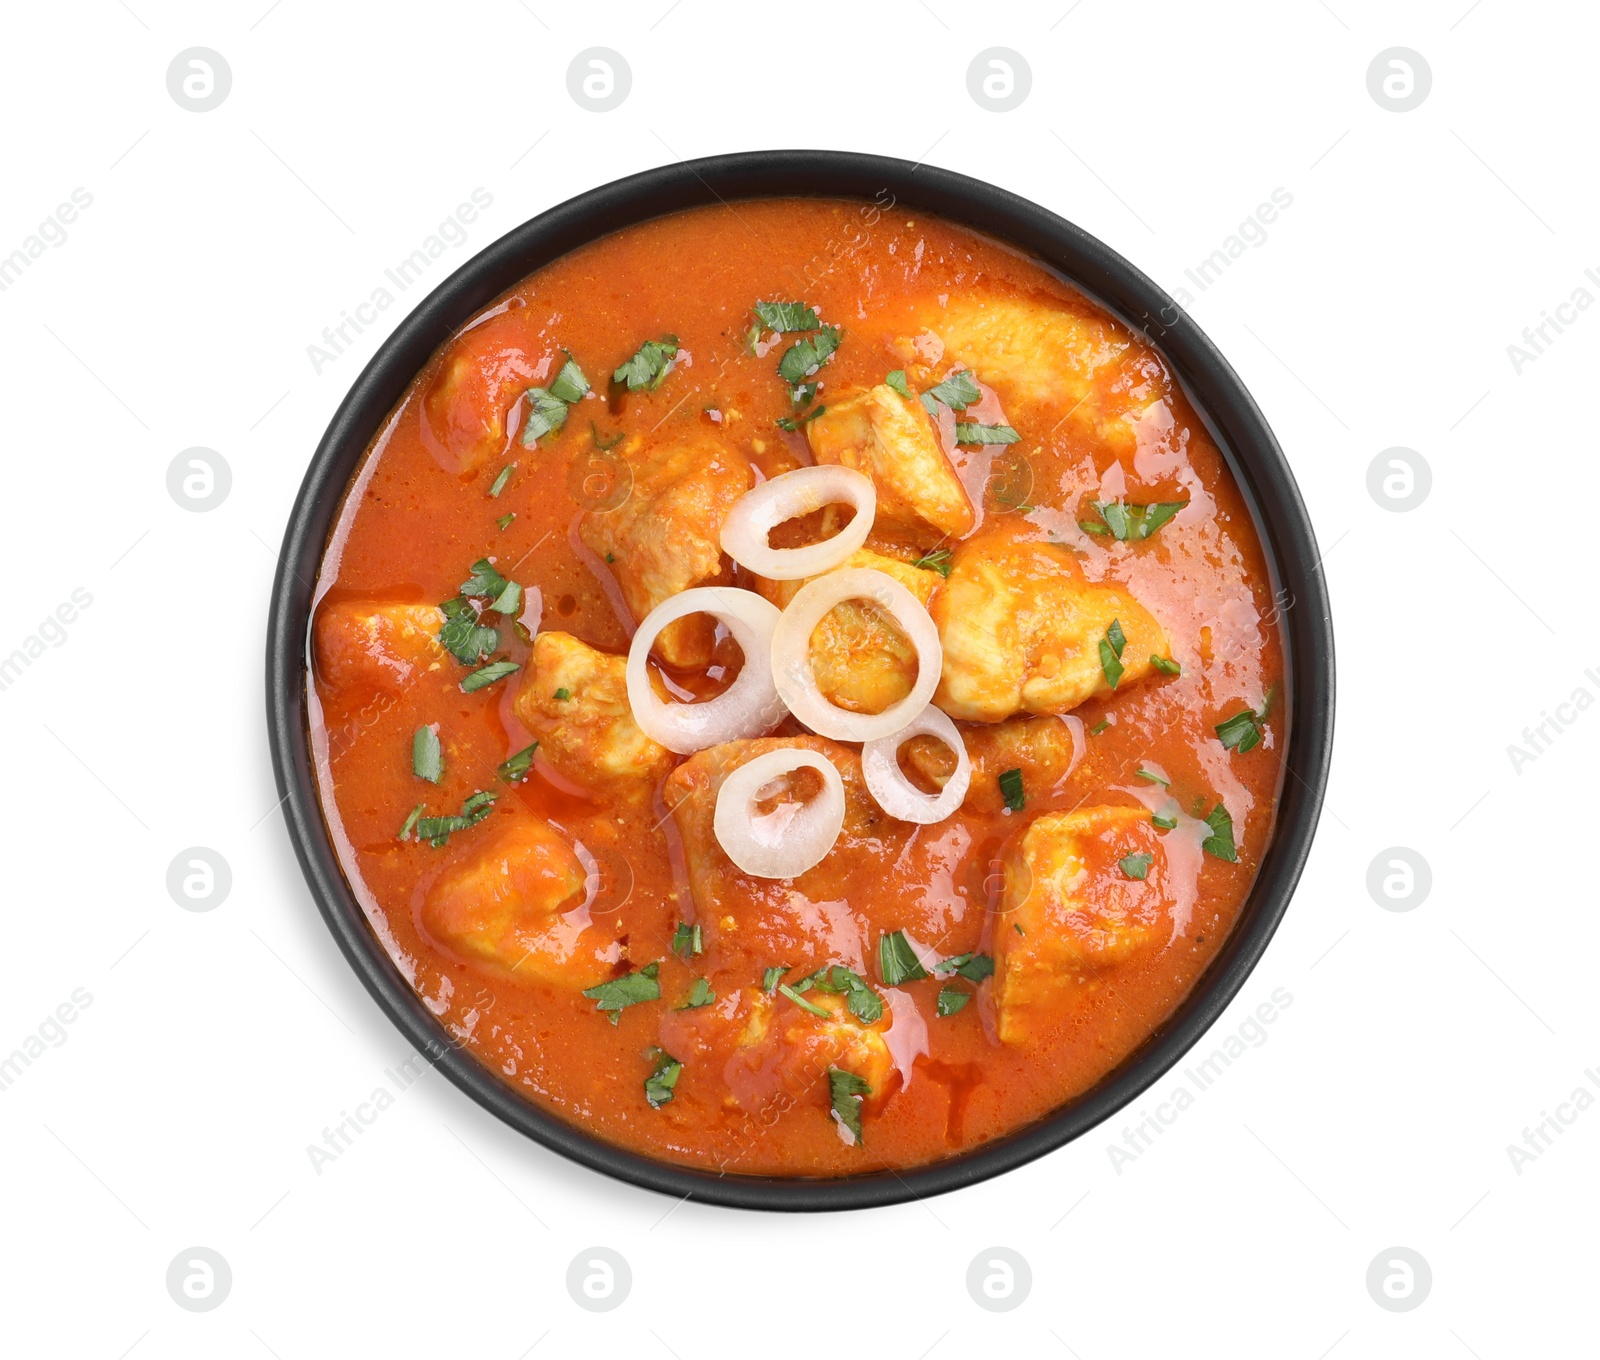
(1377, 313)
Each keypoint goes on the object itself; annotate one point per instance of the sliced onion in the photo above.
(791, 653)
(897, 795)
(747, 708)
(784, 497)
(793, 837)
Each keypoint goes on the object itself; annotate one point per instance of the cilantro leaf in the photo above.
(499, 483)
(410, 822)
(985, 434)
(1241, 733)
(438, 830)
(570, 384)
(663, 1078)
(951, 1000)
(484, 581)
(699, 995)
(1151, 777)
(787, 316)
(547, 413)
(1167, 817)
(1111, 646)
(804, 1005)
(772, 976)
(845, 1090)
(1136, 866)
(687, 941)
(805, 357)
(427, 759)
(973, 967)
(793, 423)
(647, 369)
(958, 392)
(1220, 841)
(897, 960)
(897, 381)
(515, 768)
(1129, 522)
(495, 670)
(1011, 790)
(1166, 665)
(618, 994)
(463, 636)
(938, 560)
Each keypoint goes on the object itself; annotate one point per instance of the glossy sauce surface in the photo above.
(416, 518)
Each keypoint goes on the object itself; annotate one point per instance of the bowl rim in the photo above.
(1248, 444)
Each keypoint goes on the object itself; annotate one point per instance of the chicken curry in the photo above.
(797, 690)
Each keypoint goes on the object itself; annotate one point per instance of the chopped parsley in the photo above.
(897, 960)
(897, 381)
(699, 995)
(663, 1078)
(1242, 732)
(438, 830)
(1125, 522)
(647, 369)
(515, 768)
(845, 1090)
(1165, 664)
(787, 316)
(499, 483)
(938, 560)
(951, 1000)
(1111, 646)
(687, 941)
(793, 423)
(1011, 790)
(973, 967)
(618, 994)
(958, 392)
(427, 759)
(563, 694)
(1220, 841)
(1136, 866)
(801, 1002)
(985, 434)
(462, 635)
(570, 384)
(772, 976)
(1151, 777)
(495, 670)
(485, 581)
(1167, 817)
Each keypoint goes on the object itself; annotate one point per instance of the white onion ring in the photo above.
(747, 708)
(791, 494)
(793, 837)
(896, 794)
(791, 653)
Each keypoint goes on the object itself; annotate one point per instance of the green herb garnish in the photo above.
(973, 967)
(958, 392)
(793, 423)
(699, 995)
(1136, 866)
(1167, 817)
(804, 358)
(495, 670)
(801, 1002)
(787, 316)
(1126, 522)
(1111, 653)
(986, 434)
(659, 1085)
(499, 483)
(516, 767)
(619, 993)
(772, 976)
(462, 635)
(647, 369)
(562, 694)
(897, 381)
(938, 560)
(1011, 790)
(1220, 841)
(438, 830)
(1100, 727)
(951, 1000)
(411, 822)
(687, 941)
(864, 1003)
(504, 522)
(1165, 665)
(1151, 777)
(1241, 733)
(427, 758)
(897, 960)
(845, 1090)
(570, 384)
(546, 414)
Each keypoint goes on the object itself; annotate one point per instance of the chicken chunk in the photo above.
(768, 1047)
(1071, 911)
(512, 903)
(666, 536)
(893, 440)
(1048, 356)
(860, 658)
(360, 643)
(589, 736)
(806, 917)
(1021, 629)
(1042, 748)
(478, 382)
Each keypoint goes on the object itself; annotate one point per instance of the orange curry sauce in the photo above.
(419, 513)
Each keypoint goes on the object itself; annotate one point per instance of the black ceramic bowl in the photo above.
(1252, 452)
